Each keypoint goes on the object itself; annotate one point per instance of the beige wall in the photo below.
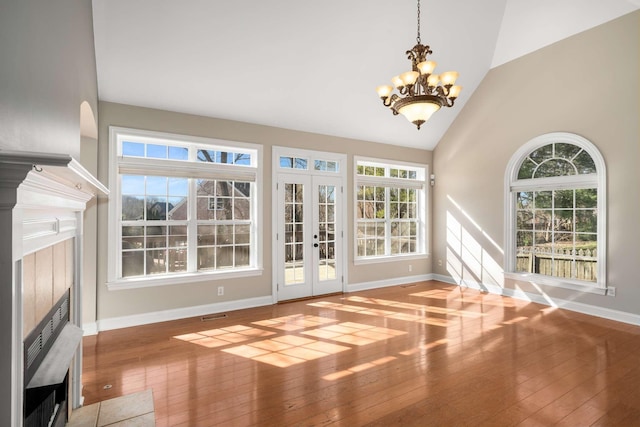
(89, 159)
(588, 85)
(112, 304)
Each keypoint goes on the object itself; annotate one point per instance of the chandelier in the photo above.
(421, 93)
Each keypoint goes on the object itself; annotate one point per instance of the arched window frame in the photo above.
(513, 185)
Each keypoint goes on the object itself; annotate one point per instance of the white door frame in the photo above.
(311, 156)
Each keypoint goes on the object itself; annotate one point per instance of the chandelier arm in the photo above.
(388, 101)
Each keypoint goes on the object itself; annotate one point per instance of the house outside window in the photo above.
(555, 200)
(181, 207)
(390, 210)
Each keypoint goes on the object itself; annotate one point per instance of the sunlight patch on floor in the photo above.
(294, 322)
(286, 350)
(434, 321)
(358, 368)
(213, 338)
(411, 306)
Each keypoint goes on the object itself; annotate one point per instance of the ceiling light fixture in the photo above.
(422, 93)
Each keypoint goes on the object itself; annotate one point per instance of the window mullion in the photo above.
(387, 216)
(574, 253)
(192, 227)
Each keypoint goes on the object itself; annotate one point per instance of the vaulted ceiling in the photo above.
(314, 66)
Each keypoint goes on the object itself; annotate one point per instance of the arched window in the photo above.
(555, 213)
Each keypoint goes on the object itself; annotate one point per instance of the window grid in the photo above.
(371, 220)
(556, 233)
(294, 233)
(404, 220)
(557, 196)
(179, 224)
(326, 235)
(223, 233)
(389, 209)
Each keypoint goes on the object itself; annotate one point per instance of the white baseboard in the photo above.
(443, 278)
(387, 282)
(592, 310)
(90, 329)
(180, 313)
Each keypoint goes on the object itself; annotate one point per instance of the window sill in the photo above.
(180, 279)
(389, 258)
(538, 279)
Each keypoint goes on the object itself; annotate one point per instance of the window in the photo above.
(287, 162)
(390, 209)
(181, 206)
(556, 211)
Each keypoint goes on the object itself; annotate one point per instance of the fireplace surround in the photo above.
(42, 200)
(48, 351)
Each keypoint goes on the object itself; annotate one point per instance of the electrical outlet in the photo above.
(611, 291)
(440, 263)
(220, 290)
(410, 267)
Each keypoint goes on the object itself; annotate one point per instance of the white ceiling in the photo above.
(314, 66)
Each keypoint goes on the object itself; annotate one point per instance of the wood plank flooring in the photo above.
(424, 354)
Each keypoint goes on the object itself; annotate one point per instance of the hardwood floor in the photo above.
(426, 354)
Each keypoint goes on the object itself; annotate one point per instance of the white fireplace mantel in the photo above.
(42, 200)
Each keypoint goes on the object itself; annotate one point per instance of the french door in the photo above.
(309, 235)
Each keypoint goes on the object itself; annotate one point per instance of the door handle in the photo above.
(315, 245)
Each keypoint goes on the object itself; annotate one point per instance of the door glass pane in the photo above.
(293, 234)
(326, 235)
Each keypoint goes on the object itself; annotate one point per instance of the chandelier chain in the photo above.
(418, 38)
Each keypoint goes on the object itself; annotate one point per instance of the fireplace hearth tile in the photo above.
(125, 407)
(132, 410)
(86, 416)
(146, 420)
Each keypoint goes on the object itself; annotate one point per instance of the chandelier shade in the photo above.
(420, 92)
(418, 109)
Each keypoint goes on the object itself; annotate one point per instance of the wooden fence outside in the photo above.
(559, 262)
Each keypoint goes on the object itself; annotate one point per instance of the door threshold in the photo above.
(310, 297)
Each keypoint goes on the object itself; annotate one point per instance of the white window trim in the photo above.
(420, 184)
(512, 184)
(126, 165)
